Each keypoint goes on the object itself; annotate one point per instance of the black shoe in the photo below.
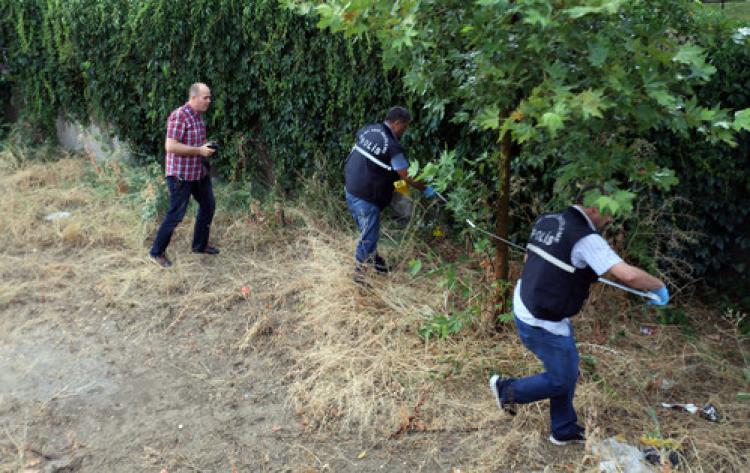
(577, 437)
(496, 386)
(380, 265)
(161, 260)
(209, 250)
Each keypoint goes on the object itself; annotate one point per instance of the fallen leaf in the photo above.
(275, 428)
(362, 455)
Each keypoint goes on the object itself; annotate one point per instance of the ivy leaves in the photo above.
(286, 102)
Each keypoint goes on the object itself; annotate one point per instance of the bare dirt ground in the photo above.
(109, 363)
(89, 385)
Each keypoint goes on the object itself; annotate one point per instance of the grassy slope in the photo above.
(360, 367)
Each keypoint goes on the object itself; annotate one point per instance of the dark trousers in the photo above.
(179, 196)
(558, 381)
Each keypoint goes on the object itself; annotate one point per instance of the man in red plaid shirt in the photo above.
(187, 174)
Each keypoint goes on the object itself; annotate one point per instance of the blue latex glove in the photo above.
(429, 192)
(663, 294)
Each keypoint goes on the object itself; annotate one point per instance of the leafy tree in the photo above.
(580, 82)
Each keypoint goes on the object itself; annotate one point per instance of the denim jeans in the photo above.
(367, 216)
(557, 383)
(179, 196)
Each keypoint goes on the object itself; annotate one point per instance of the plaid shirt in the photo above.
(187, 127)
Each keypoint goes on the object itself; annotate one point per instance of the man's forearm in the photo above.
(635, 277)
(174, 146)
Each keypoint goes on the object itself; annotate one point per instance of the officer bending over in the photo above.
(375, 162)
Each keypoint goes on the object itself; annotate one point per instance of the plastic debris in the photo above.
(653, 456)
(57, 216)
(691, 408)
(619, 457)
(402, 208)
(708, 412)
(647, 330)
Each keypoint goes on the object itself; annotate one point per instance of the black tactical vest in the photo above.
(551, 287)
(368, 173)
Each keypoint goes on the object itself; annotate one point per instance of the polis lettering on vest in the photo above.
(548, 236)
(376, 145)
(544, 238)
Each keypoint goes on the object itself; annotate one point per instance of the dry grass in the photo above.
(356, 363)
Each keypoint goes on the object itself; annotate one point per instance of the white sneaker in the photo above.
(568, 440)
(495, 386)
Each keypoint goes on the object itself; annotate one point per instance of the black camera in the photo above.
(213, 145)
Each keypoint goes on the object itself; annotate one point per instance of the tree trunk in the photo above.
(502, 211)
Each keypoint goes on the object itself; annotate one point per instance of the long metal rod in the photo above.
(647, 295)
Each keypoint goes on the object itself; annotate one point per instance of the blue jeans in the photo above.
(367, 216)
(557, 383)
(179, 196)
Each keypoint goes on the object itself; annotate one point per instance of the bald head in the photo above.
(198, 88)
(200, 97)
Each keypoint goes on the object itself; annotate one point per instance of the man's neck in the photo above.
(586, 216)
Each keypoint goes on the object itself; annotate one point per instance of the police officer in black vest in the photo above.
(565, 255)
(376, 161)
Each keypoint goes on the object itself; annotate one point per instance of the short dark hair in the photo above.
(585, 189)
(398, 114)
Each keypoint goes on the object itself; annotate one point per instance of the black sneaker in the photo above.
(161, 260)
(577, 437)
(208, 250)
(496, 386)
(380, 265)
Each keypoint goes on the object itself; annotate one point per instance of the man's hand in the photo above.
(173, 146)
(662, 293)
(206, 150)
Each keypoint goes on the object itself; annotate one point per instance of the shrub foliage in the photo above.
(288, 95)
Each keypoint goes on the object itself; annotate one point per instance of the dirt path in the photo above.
(86, 386)
(75, 386)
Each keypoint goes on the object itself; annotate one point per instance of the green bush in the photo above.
(288, 97)
(715, 179)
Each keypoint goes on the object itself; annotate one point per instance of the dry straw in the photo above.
(354, 361)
